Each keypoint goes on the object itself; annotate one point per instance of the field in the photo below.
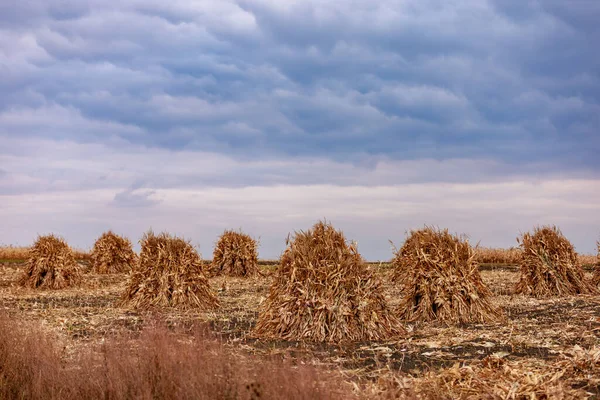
(546, 347)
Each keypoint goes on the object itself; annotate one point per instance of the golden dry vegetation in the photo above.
(170, 273)
(21, 253)
(483, 255)
(16, 253)
(547, 347)
(441, 280)
(112, 253)
(324, 292)
(488, 255)
(549, 265)
(442, 320)
(51, 265)
(235, 254)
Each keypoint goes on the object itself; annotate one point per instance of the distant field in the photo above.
(484, 255)
(17, 253)
(546, 345)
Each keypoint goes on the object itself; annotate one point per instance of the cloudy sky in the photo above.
(267, 115)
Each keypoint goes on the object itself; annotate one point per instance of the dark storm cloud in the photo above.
(513, 82)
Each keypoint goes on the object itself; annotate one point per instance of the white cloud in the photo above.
(491, 213)
(38, 165)
(80, 190)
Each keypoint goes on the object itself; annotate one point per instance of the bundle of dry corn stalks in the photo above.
(235, 254)
(441, 280)
(549, 265)
(168, 274)
(323, 291)
(51, 265)
(112, 254)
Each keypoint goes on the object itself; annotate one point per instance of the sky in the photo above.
(194, 117)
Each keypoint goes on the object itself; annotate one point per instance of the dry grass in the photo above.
(20, 253)
(549, 265)
(488, 255)
(14, 253)
(235, 254)
(441, 280)
(169, 274)
(82, 255)
(323, 291)
(159, 364)
(51, 265)
(112, 254)
(587, 260)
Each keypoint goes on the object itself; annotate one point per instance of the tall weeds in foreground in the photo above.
(549, 265)
(158, 365)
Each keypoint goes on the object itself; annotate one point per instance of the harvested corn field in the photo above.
(544, 347)
(233, 125)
